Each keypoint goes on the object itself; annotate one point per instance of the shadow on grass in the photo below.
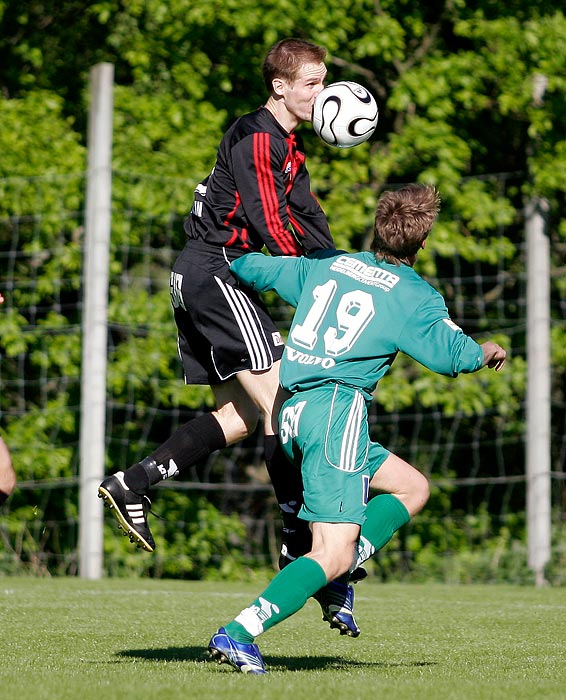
(274, 663)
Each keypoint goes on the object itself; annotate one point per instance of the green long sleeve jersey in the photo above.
(353, 315)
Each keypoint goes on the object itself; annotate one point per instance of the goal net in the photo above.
(466, 435)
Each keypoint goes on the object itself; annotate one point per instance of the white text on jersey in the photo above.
(366, 274)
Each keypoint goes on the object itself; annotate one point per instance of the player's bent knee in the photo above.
(334, 563)
(237, 424)
(420, 493)
(333, 570)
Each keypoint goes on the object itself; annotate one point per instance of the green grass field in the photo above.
(68, 639)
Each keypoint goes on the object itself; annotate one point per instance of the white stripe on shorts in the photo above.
(251, 329)
(351, 436)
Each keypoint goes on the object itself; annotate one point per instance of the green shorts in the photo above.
(324, 431)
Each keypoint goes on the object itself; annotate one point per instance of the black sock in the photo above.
(288, 486)
(3, 498)
(189, 444)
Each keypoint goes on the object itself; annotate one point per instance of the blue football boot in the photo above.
(243, 657)
(337, 602)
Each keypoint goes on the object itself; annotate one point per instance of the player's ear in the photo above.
(278, 85)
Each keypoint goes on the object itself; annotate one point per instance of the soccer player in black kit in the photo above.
(258, 194)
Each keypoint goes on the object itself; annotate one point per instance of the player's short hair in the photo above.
(403, 219)
(286, 58)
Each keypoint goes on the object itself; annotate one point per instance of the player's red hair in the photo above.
(286, 57)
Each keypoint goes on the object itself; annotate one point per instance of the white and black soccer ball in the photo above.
(344, 114)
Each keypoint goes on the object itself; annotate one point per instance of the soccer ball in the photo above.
(344, 114)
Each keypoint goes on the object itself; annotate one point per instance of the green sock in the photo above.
(385, 514)
(286, 594)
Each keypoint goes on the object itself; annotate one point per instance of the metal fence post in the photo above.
(537, 448)
(95, 311)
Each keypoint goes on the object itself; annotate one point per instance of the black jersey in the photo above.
(258, 193)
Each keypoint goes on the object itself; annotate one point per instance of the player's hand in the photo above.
(493, 355)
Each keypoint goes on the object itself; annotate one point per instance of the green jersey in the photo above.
(353, 315)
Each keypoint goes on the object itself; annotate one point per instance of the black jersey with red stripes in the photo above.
(258, 193)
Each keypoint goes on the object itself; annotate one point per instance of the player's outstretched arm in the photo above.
(279, 273)
(493, 355)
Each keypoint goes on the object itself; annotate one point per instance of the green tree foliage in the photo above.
(35, 137)
(465, 91)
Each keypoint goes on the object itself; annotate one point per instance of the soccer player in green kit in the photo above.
(354, 313)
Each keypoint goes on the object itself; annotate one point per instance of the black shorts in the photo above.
(223, 328)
